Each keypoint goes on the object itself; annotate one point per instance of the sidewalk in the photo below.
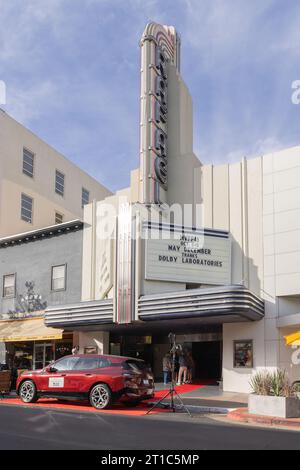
(205, 398)
(210, 399)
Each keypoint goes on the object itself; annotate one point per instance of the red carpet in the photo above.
(182, 389)
(54, 404)
(117, 409)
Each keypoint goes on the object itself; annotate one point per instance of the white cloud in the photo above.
(45, 44)
(267, 145)
(19, 24)
(26, 104)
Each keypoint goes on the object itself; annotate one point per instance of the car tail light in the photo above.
(132, 380)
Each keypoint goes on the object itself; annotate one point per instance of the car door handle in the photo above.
(88, 375)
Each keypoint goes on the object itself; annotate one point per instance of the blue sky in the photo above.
(72, 73)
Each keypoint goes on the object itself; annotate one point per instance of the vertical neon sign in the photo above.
(160, 46)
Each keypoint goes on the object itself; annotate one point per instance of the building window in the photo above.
(9, 285)
(243, 354)
(59, 183)
(59, 218)
(26, 208)
(28, 163)
(58, 277)
(85, 197)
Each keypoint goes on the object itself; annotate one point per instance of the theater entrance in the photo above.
(205, 347)
(207, 360)
(139, 347)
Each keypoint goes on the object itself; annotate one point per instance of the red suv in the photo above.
(100, 379)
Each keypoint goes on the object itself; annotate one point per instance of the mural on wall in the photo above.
(28, 304)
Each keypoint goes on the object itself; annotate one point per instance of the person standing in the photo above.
(176, 366)
(166, 368)
(75, 350)
(182, 376)
(190, 367)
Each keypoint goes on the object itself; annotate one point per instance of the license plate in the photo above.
(146, 382)
(58, 382)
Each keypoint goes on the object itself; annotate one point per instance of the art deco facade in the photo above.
(210, 253)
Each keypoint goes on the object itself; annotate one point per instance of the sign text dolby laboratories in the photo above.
(190, 259)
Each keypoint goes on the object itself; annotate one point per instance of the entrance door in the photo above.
(208, 360)
(43, 355)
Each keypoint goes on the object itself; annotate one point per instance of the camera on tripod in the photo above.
(172, 393)
(173, 345)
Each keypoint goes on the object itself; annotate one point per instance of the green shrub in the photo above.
(261, 383)
(274, 384)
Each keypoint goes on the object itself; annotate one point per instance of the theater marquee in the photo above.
(197, 257)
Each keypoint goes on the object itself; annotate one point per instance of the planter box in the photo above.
(278, 407)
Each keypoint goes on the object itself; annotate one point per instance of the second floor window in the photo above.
(85, 198)
(59, 183)
(58, 278)
(9, 285)
(28, 163)
(26, 208)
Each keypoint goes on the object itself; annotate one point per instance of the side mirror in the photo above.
(51, 369)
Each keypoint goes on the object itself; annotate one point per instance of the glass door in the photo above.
(43, 355)
(38, 356)
(49, 354)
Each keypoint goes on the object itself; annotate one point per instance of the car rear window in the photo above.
(136, 366)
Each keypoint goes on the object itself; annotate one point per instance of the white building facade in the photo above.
(38, 186)
(210, 253)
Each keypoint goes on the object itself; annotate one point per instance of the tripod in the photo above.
(171, 392)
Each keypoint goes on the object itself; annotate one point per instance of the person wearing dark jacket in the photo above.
(182, 376)
(167, 368)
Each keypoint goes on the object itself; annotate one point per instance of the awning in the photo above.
(83, 314)
(293, 340)
(33, 329)
(225, 304)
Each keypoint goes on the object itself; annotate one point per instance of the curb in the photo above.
(198, 409)
(193, 409)
(242, 416)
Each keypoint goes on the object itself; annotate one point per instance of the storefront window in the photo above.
(20, 355)
(243, 354)
(36, 355)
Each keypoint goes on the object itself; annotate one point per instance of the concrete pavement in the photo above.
(37, 428)
(210, 399)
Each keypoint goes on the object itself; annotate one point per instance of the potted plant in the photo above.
(273, 395)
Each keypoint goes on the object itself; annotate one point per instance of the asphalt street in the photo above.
(41, 429)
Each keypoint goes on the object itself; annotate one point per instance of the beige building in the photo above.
(211, 253)
(38, 186)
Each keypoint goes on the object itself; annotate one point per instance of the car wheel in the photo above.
(27, 392)
(100, 396)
